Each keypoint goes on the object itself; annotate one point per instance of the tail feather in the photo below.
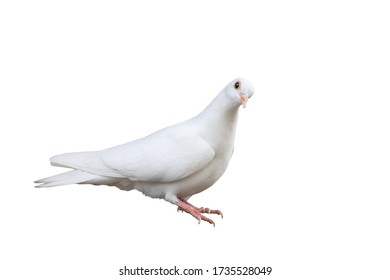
(67, 178)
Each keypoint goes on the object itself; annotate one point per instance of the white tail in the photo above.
(67, 178)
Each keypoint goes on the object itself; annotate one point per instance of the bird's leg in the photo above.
(202, 209)
(185, 206)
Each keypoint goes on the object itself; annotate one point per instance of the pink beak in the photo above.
(244, 99)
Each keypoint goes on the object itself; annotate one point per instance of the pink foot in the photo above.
(197, 212)
(209, 211)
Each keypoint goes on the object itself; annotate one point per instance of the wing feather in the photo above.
(164, 156)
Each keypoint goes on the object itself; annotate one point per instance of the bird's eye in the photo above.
(237, 85)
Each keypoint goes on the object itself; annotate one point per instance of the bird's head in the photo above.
(240, 90)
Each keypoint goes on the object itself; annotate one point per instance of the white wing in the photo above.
(165, 156)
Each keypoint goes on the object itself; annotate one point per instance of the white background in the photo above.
(307, 190)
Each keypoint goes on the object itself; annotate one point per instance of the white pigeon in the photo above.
(173, 163)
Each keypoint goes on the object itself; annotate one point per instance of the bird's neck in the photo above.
(220, 117)
(221, 108)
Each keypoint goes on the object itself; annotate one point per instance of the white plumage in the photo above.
(173, 163)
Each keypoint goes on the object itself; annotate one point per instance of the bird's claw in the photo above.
(201, 217)
(196, 212)
(209, 211)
